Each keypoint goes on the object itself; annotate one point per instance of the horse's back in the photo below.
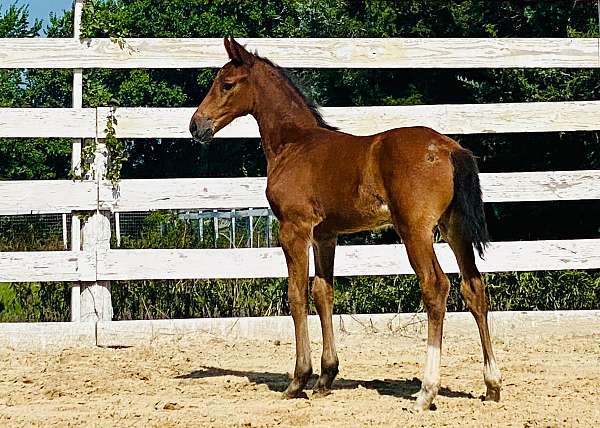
(352, 179)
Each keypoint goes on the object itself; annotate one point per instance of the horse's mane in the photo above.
(310, 103)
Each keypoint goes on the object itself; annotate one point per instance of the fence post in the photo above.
(232, 221)
(216, 227)
(251, 222)
(269, 232)
(201, 227)
(93, 299)
(96, 302)
(76, 162)
(118, 228)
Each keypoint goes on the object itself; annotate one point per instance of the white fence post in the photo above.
(216, 227)
(251, 222)
(76, 162)
(96, 302)
(232, 222)
(118, 228)
(93, 301)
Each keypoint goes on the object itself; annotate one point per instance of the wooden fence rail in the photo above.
(351, 260)
(63, 196)
(304, 53)
(138, 122)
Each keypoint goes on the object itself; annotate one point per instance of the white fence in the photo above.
(92, 260)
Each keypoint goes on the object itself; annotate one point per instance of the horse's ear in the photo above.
(228, 47)
(239, 54)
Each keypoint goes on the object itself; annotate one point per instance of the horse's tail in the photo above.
(467, 202)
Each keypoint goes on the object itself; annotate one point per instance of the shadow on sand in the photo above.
(402, 388)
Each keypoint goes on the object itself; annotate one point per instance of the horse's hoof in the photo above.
(321, 392)
(492, 394)
(300, 394)
(421, 407)
(288, 395)
(293, 391)
(424, 401)
(424, 406)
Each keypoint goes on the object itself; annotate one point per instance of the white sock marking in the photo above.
(432, 366)
(491, 373)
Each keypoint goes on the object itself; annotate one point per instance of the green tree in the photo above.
(32, 158)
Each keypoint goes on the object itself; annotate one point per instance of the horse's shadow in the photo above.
(401, 388)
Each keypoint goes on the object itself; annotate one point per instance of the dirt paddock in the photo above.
(550, 379)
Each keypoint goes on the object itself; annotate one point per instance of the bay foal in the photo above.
(322, 183)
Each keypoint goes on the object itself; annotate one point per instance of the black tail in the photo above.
(467, 202)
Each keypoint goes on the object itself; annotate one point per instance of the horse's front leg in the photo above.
(295, 240)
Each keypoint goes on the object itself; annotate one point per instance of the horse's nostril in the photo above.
(201, 129)
(193, 127)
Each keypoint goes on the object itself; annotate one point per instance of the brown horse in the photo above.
(322, 182)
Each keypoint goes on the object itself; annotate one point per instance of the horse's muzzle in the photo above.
(201, 129)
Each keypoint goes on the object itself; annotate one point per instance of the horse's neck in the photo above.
(280, 115)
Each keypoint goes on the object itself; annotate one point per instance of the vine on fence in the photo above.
(88, 156)
(116, 152)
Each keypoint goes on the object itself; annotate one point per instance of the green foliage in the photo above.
(344, 87)
(14, 22)
(88, 156)
(31, 233)
(33, 302)
(27, 159)
(10, 306)
(153, 299)
(164, 229)
(199, 298)
(116, 150)
(549, 291)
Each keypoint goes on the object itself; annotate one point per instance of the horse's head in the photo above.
(230, 96)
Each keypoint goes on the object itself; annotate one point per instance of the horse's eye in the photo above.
(227, 86)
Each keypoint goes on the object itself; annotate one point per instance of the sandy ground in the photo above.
(550, 380)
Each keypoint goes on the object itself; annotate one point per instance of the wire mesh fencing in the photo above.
(35, 232)
(243, 228)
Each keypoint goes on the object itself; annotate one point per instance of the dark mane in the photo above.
(310, 103)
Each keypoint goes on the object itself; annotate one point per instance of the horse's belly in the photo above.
(351, 221)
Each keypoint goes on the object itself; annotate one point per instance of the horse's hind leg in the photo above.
(322, 292)
(473, 291)
(434, 287)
